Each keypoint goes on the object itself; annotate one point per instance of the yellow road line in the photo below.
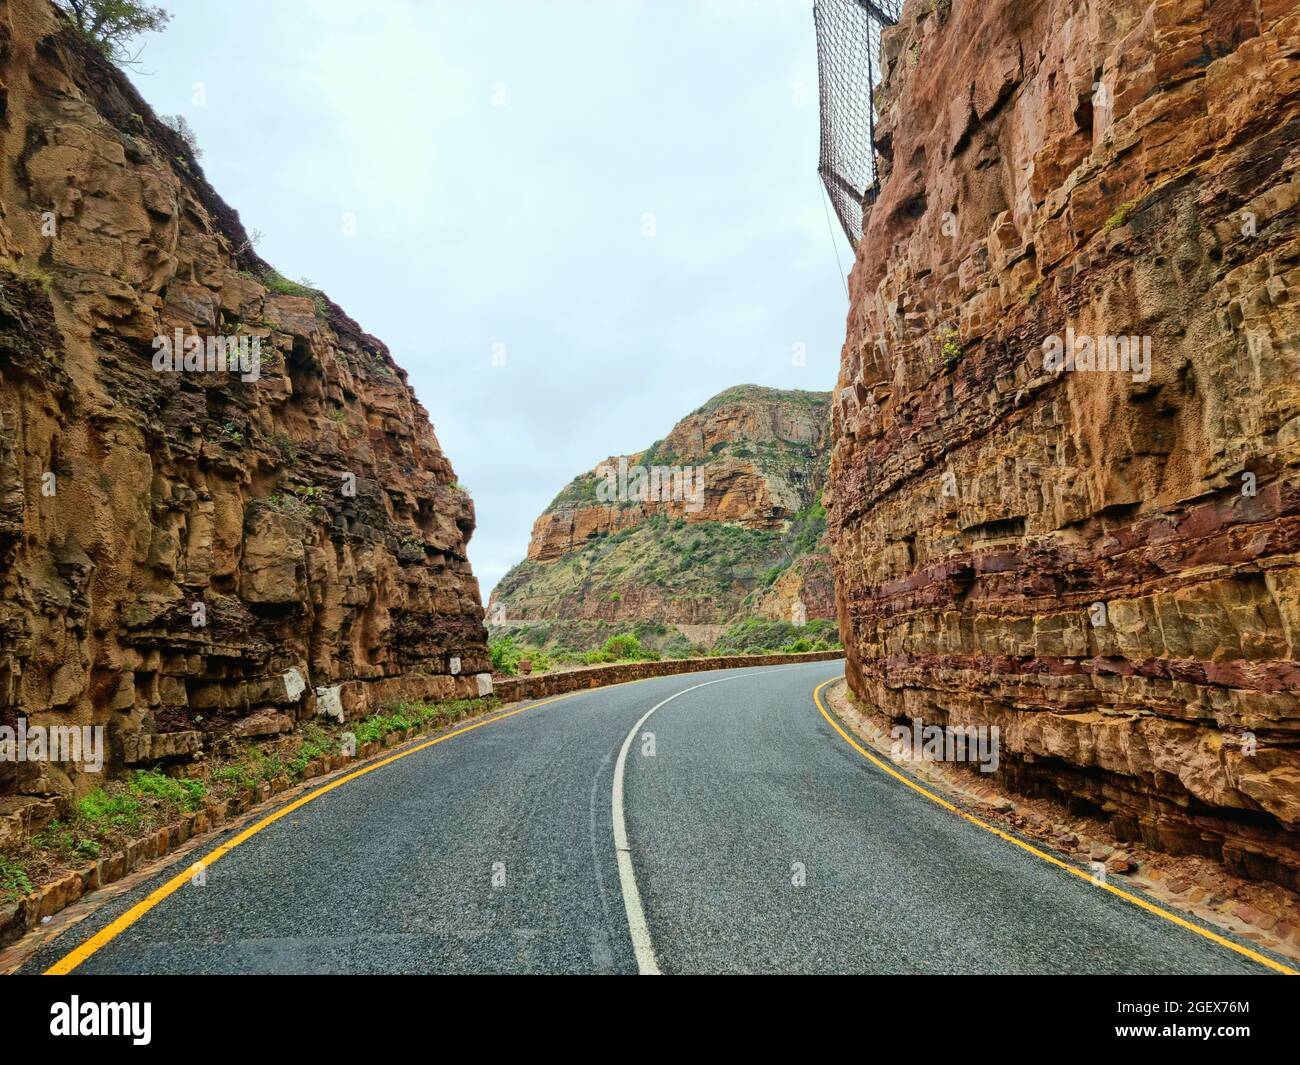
(1075, 870)
(111, 931)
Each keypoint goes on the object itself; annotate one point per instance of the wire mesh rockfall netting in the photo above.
(848, 67)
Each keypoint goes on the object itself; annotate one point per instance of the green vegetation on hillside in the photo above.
(713, 564)
(760, 636)
(806, 530)
(580, 492)
(759, 392)
(510, 650)
(548, 646)
(707, 572)
(567, 641)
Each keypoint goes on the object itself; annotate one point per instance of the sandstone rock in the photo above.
(1104, 564)
(285, 689)
(142, 747)
(296, 315)
(262, 723)
(808, 581)
(1248, 914)
(215, 547)
(58, 894)
(1121, 863)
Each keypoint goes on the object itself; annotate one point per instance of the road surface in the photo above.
(757, 840)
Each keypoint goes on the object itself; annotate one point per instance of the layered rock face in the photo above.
(759, 448)
(1096, 555)
(193, 552)
(686, 530)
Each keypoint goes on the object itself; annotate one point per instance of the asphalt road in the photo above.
(495, 852)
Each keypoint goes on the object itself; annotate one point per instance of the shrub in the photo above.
(624, 646)
(542, 662)
(1121, 216)
(400, 716)
(754, 635)
(178, 125)
(950, 347)
(284, 447)
(274, 281)
(505, 654)
(315, 743)
(237, 774)
(680, 647)
(63, 840)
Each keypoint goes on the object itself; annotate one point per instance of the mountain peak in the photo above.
(696, 529)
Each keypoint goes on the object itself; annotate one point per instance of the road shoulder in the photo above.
(1251, 912)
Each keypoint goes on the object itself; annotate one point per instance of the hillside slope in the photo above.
(723, 521)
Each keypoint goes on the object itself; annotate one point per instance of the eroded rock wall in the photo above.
(1103, 563)
(185, 555)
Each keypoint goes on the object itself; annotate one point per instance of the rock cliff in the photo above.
(188, 551)
(693, 530)
(1066, 471)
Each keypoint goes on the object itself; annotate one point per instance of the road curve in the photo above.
(759, 839)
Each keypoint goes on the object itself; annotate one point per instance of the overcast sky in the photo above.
(619, 197)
